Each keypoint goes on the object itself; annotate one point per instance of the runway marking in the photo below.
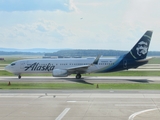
(62, 114)
(76, 101)
(72, 101)
(134, 105)
(131, 117)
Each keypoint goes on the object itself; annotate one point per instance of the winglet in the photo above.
(95, 62)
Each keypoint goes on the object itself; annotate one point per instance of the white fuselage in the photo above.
(48, 65)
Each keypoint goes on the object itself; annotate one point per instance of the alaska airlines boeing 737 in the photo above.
(137, 56)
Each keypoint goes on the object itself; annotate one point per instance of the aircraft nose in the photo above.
(7, 68)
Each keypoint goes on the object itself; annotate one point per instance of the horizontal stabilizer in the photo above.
(144, 60)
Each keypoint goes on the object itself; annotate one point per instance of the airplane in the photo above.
(63, 67)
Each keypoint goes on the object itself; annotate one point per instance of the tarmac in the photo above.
(79, 105)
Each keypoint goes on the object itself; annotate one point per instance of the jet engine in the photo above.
(59, 73)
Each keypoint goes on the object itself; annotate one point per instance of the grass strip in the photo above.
(73, 86)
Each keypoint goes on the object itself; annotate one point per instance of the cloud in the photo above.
(42, 33)
(32, 5)
(105, 24)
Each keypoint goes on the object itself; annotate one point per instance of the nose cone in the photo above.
(8, 68)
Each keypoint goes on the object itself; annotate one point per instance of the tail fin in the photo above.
(140, 50)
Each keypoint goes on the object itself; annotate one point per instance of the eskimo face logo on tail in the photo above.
(142, 48)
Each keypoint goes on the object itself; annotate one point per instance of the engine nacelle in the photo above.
(59, 73)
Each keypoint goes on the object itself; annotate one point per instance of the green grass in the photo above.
(45, 86)
(75, 86)
(144, 86)
(5, 73)
(9, 60)
(2, 65)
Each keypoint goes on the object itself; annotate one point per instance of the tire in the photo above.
(78, 76)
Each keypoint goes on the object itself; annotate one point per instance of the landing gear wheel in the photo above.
(78, 76)
(19, 76)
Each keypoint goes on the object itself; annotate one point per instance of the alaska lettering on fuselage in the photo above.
(38, 67)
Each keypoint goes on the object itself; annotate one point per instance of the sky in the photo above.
(78, 24)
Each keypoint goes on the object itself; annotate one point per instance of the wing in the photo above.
(78, 69)
(82, 69)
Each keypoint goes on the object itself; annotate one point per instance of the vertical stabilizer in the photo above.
(140, 50)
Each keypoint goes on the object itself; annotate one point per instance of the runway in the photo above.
(79, 105)
(72, 79)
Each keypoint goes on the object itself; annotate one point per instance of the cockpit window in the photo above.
(13, 64)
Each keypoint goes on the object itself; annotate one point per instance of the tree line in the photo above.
(93, 53)
(79, 53)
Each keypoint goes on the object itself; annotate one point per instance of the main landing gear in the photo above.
(19, 76)
(78, 76)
